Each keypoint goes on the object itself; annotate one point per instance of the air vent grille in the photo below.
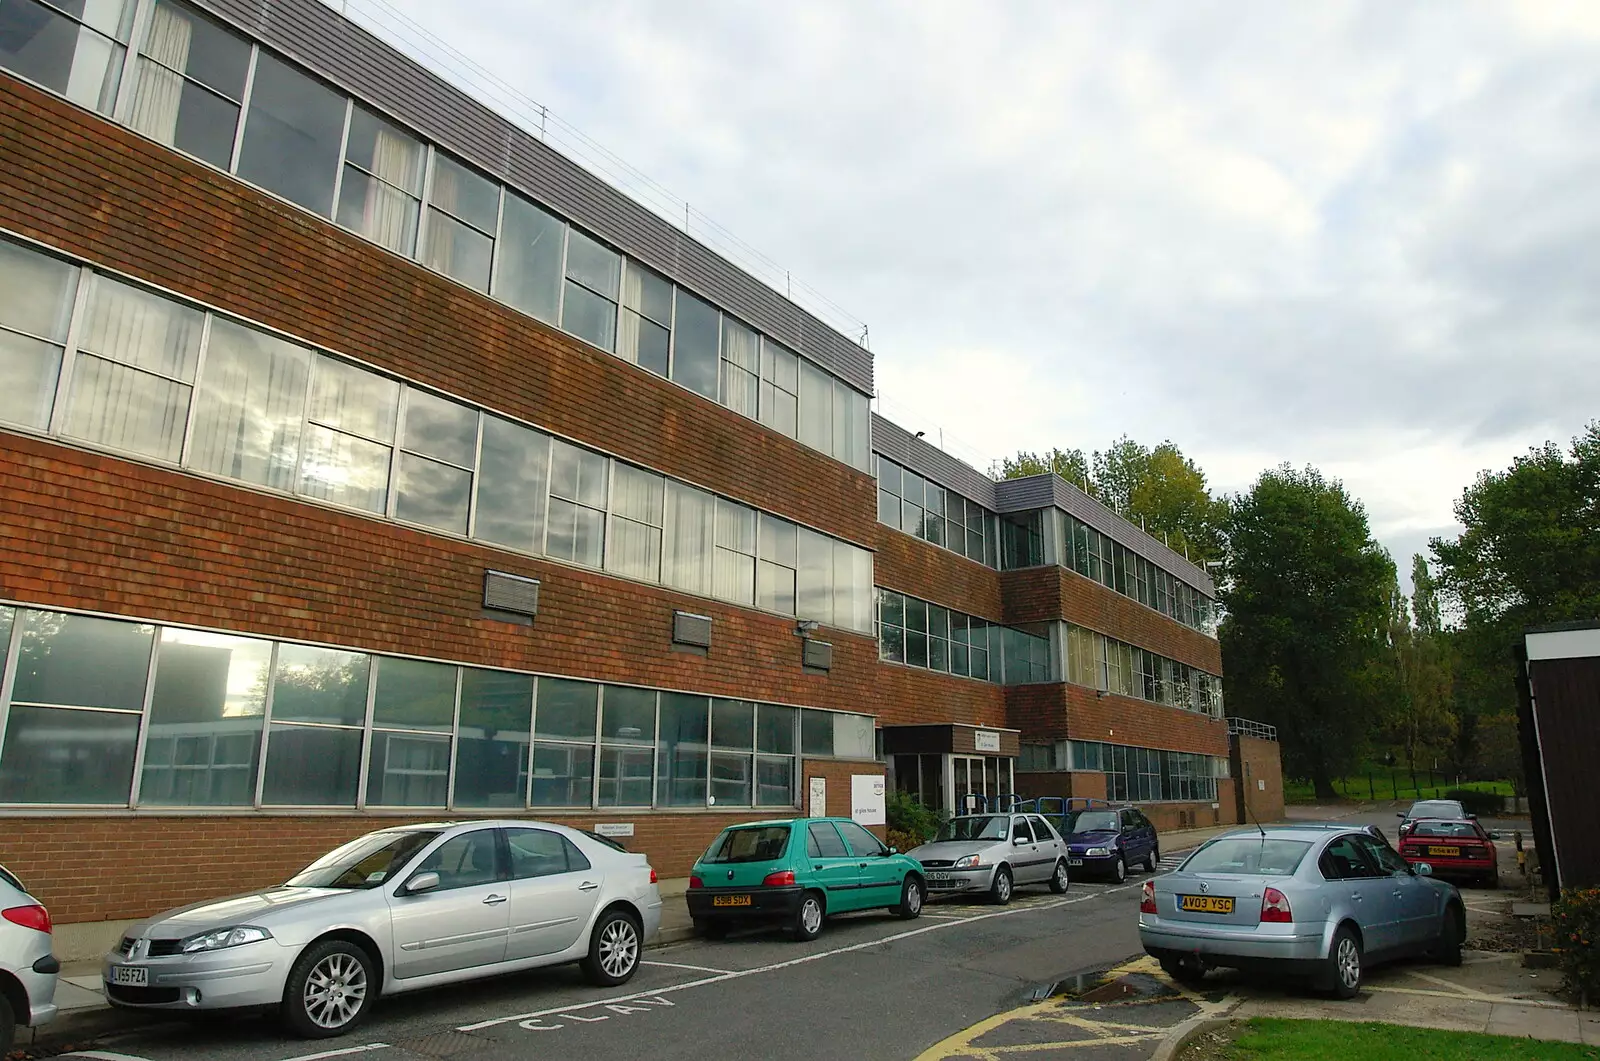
(510, 593)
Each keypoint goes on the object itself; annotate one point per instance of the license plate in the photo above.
(1206, 904)
(130, 976)
(1448, 852)
(730, 900)
(936, 876)
(1074, 861)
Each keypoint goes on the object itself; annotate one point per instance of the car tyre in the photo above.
(1446, 950)
(1119, 869)
(1345, 964)
(808, 918)
(325, 980)
(1152, 860)
(1186, 971)
(1000, 888)
(1060, 880)
(912, 896)
(8, 1026)
(614, 949)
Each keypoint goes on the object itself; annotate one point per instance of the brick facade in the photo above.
(1062, 711)
(1258, 778)
(909, 564)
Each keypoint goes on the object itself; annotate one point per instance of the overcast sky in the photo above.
(1364, 236)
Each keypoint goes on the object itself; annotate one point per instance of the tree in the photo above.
(1422, 721)
(1307, 599)
(1070, 464)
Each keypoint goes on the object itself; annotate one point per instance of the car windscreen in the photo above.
(1435, 810)
(761, 843)
(614, 845)
(1253, 856)
(1451, 829)
(1087, 821)
(975, 827)
(365, 862)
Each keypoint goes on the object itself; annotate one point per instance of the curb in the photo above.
(1182, 1034)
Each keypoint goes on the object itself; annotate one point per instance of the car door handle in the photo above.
(1356, 896)
(588, 886)
(494, 900)
(861, 865)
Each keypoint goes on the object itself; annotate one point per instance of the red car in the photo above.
(1454, 848)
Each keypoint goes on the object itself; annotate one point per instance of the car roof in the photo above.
(1311, 832)
(1446, 821)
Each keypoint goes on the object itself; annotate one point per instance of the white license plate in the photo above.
(1074, 861)
(130, 976)
(935, 875)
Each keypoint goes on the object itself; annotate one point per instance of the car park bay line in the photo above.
(792, 962)
(345, 1051)
(691, 968)
(104, 1055)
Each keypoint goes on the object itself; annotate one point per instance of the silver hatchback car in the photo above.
(396, 910)
(27, 967)
(1316, 902)
(994, 853)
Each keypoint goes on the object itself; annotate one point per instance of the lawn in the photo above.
(1386, 785)
(1315, 1040)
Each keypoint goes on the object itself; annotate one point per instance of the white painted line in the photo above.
(774, 967)
(104, 1055)
(339, 1053)
(691, 968)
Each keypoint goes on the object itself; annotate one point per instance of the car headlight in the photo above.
(968, 861)
(236, 936)
(1098, 852)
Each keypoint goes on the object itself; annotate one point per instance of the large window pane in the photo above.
(292, 135)
(251, 406)
(28, 372)
(60, 756)
(814, 576)
(774, 781)
(205, 720)
(414, 694)
(695, 357)
(141, 329)
(734, 574)
(690, 536)
(775, 575)
(852, 587)
(731, 779)
(312, 766)
(594, 266)
(354, 400)
(775, 728)
(461, 223)
(458, 250)
(780, 388)
(628, 715)
(433, 494)
(589, 317)
(320, 685)
(528, 276)
(379, 196)
(579, 475)
(625, 776)
(344, 469)
(465, 194)
(577, 504)
(512, 485)
(408, 770)
(816, 407)
(733, 724)
(634, 545)
(563, 775)
(741, 367)
(567, 710)
(643, 331)
(42, 45)
(492, 758)
(36, 295)
(190, 84)
(681, 776)
(816, 733)
(80, 661)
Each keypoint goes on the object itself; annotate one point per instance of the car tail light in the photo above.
(653, 878)
(780, 879)
(694, 882)
(34, 917)
(1275, 907)
(1147, 897)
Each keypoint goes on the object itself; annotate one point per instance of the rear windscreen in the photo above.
(1257, 857)
(757, 844)
(6, 876)
(1451, 829)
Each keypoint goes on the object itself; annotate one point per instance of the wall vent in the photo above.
(692, 630)
(510, 593)
(817, 655)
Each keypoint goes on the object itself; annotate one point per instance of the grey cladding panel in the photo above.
(930, 462)
(316, 35)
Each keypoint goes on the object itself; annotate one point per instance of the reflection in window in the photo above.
(627, 754)
(190, 84)
(492, 759)
(67, 757)
(79, 57)
(577, 504)
(732, 767)
(780, 388)
(514, 470)
(205, 720)
(251, 407)
(36, 294)
(463, 209)
(775, 588)
(589, 304)
(734, 564)
(690, 537)
(312, 766)
(320, 685)
(438, 453)
(696, 344)
(413, 712)
(382, 183)
(292, 135)
(813, 576)
(816, 407)
(634, 545)
(80, 661)
(681, 776)
(644, 332)
(352, 415)
(528, 275)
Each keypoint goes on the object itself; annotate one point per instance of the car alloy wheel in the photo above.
(910, 899)
(1000, 890)
(1345, 964)
(329, 990)
(1119, 869)
(1059, 879)
(613, 955)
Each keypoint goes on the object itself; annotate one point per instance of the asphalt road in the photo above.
(870, 987)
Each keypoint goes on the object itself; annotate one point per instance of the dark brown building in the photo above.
(1560, 729)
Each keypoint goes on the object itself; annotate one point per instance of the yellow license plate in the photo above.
(1206, 904)
(1453, 852)
(730, 900)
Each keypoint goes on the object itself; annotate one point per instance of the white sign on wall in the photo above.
(614, 829)
(1261, 786)
(985, 740)
(818, 804)
(867, 800)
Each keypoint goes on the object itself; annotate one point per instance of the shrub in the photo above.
(1577, 930)
(1482, 804)
(910, 819)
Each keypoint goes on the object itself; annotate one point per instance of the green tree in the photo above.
(1307, 599)
(1070, 464)
(1421, 719)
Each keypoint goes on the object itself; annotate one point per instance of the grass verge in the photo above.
(1267, 1039)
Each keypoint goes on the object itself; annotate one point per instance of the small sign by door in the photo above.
(818, 803)
(985, 740)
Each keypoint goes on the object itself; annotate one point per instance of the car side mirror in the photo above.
(894, 851)
(422, 882)
(1424, 870)
(1401, 815)
(1494, 836)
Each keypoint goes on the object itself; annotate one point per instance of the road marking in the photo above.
(776, 966)
(691, 968)
(339, 1053)
(1468, 996)
(104, 1055)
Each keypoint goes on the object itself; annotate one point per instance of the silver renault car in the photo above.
(994, 854)
(392, 911)
(1314, 901)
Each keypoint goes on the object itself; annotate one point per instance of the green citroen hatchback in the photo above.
(795, 873)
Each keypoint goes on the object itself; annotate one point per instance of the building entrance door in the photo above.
(980, 775)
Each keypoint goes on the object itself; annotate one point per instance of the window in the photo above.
(634, 543)
(852, 588)
(438, 453)
(734, 565)
(910, 503)
(733, 737)
(292, 135)
(775, 574)
(78, 56)
(206, 712)
(775, 768)
(577, 504)
(463, 214)
(380, 191)
(645, 328)
(628, 742)
(690, 539)
(190, 84)
(1041, 831)
(761, 843)
(890, 475)
(134, 371)
(565, 726)
(1343, 859)
(250, 411)
(862, 843)
(349, 435)
(529, 273)
(589, 301)
(1385, 857)
(319, 704)
(36, 296)
(465, 861)
(816, 407)
(541, 853)
(780, 388)
(492, 748)
(850, 415)
(823, 841)
(413, 715)
(696, 345)
(741, 367)
(683, 751)
(512, 485)
(1251, 856)
(813, 576)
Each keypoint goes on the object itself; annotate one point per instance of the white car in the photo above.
(397, 910)
(27, 967)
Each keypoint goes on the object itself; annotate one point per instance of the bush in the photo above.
(912, 822)
(1482, 804)
(1577, 930)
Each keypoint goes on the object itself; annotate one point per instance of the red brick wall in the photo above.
(1263, 758)
(1061, 711)
(1044, 594)
(91, 188)
(909, 564)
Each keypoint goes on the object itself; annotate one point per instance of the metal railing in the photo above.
(1247, 728)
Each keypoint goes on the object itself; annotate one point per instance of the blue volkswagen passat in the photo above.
(1318, 903)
